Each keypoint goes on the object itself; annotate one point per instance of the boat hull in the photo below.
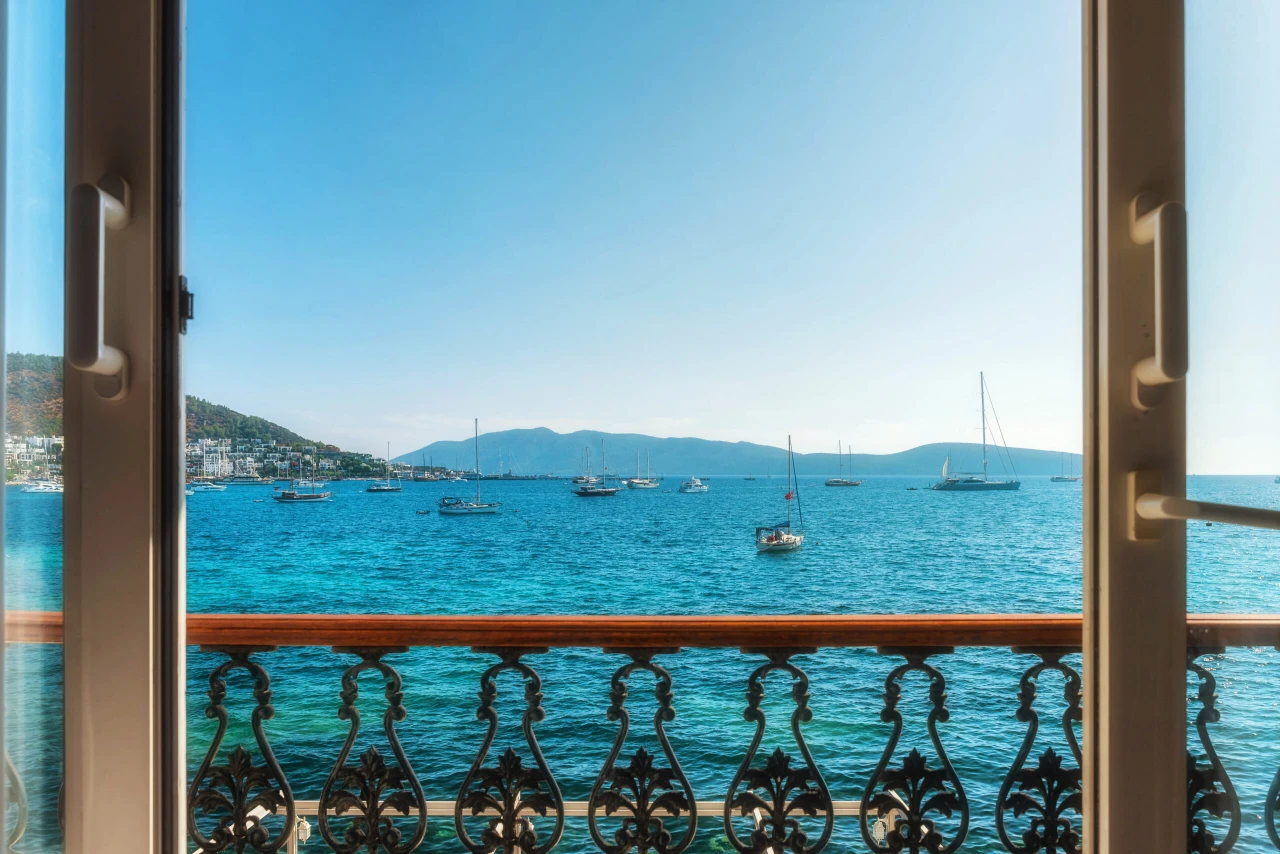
(786, 543)
(1058, 478)
(978, 486)
(302, 498)
(596, 491)
(472, 510)
(841, 482)
(647, 484)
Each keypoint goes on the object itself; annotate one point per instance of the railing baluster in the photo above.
(509, 789)
(16, 797)
(915, 790)
(788, 790)
(250, 792)
(363, 788)
(1203, 780)
(643, 791)
(1047, 791)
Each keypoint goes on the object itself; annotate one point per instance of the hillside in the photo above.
(207, 420)
(34, 407)
(543, 451)
(33, 389)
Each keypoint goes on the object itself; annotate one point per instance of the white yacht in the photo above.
(841, 480)
(43, 487)
(206, 486)
(978, 481)
(693, 485)
(451, 506)
(646, 482)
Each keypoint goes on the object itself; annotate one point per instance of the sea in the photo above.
(889, 546)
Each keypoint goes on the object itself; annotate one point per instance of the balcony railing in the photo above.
(510, 798)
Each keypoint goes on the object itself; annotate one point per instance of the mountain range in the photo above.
(544, 451)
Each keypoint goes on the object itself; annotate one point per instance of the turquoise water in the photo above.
(879, 548)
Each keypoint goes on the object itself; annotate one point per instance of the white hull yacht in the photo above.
(978, 481)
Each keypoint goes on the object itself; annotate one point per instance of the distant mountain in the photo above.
(544, 451)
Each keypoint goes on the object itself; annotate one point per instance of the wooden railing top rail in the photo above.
(622, 631)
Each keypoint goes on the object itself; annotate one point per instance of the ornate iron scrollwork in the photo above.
(642, 792)
(787, 790)
(914, 791)
(1050, 789)
(15, 796)
(250, 795)
(371, 789)
(508, 788)
(1204, 778)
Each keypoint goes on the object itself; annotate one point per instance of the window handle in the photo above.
(1151, 507)
(1165, 226)
(91, 210)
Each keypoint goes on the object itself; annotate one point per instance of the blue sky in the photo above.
(735, 220)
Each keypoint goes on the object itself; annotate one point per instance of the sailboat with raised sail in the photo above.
(451, 506)
(779, 537)
(646, 482)
(979, 481)
(386, 485)
(841, 480)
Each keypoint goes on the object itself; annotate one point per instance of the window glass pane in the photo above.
(33, 421)
(601, 264)
(1233, 398)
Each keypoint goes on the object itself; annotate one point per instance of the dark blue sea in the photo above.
(879, 548)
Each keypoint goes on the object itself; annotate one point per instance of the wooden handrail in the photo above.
(622, 631)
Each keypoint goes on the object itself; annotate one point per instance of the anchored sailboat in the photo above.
(386, 485)
(841, 480)
(779, 538)
(593, 487)
(1070, 476)
(974, 481)
(451, 506)
(646, 482)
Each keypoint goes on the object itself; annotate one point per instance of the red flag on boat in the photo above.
(790, 495)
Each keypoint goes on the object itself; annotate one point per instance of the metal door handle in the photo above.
(1157, 507)
(1165, 226)
(91, 210)
(1150, 507)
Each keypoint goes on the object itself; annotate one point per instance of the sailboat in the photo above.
(973, 481)
(779, 537)
(386, 485)
(1070, 477)
(295, 494)
(841, 480)
(450, 506)
(646, 482)
(428, 472)
(593, 487)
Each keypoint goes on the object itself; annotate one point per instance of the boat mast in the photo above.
(982, 394)
(789, 482)
(840, 457)
(477, 461)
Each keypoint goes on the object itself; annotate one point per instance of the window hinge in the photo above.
(186, 304)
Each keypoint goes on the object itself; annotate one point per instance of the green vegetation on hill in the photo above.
(34, 384)
(207, 420)
(33, 388)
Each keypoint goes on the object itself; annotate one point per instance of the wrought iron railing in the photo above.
(510, 800)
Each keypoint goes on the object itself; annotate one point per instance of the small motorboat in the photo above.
(423, 512)
(693, 485)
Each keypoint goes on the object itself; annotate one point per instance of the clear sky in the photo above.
(734, 220)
